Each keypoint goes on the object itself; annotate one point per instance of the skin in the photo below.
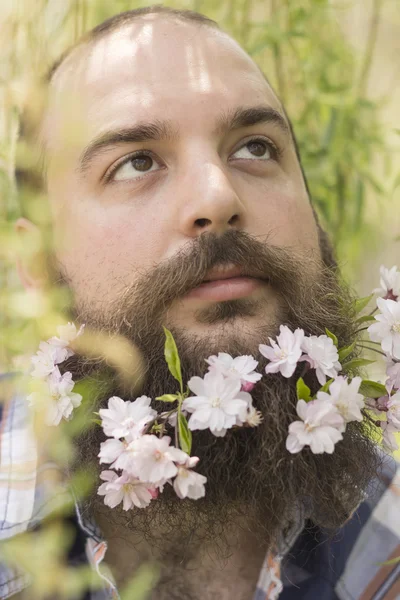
(108, 234)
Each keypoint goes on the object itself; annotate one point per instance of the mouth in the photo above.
(227, 283)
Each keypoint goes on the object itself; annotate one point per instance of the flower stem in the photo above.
(371, 349)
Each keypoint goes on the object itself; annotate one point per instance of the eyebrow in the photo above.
(166, 131)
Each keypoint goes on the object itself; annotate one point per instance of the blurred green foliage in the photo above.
(322, 83)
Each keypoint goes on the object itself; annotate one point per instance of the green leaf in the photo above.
(356, 363)
(365, 319)
(325, 387)
(172, 356)
(303, 391)
(372, 389)
(168, 398)
(185, 435)
(344, 352)
(361, 303)
(332, 336)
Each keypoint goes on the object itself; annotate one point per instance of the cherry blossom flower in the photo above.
(126, 489)
(321, 427)
(241, 367)
(111, 450)
(126, 419)
(389, 441)
(218, 405)
(344, 395)
(390, 283)
(187, 483)
(285, 353)
(393, 410)
(393, 373)
(322, 354)
(154, 459)
(387, 330)
(46, 359)
(58, 398)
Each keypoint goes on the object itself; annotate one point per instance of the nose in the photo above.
(211, 203)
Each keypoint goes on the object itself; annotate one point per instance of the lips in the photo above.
(230, 272)
(227, 283)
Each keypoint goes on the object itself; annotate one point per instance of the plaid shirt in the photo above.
(309, 564)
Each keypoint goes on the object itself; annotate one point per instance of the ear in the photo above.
(30, 257)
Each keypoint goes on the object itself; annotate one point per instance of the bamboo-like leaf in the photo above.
(332, 336)
(365, 319)
(361, 303)
(172, 356)
(185, 435)
(345, 352)
(356, 363)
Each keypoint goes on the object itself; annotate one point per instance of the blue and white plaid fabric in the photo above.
(310, 565)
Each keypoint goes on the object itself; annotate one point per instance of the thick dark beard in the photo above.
(251, 476)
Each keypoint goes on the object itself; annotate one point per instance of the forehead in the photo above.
(158, 68)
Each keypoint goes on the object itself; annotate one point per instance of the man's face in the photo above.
(124, 207)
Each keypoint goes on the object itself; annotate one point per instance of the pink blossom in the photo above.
(393, 410)
(285, 353)
(187, 483)
(126, 419)
(154, 459)
(393, 373)
(390, 283)
(345, 396)
(241, 367)
(321, 427)
(126, 489)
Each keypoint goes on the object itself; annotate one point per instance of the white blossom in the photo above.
(111, 450)
(389, 441)
(322, 354)
(387, 329)
(390, 283)
(321, 427)
(46, 359)
(345, 396)
(218, 405)
(57, 397)
(285, 353)
(187, 483)
(66, 335)
(240, 367)
(126, 419)
(126, 489)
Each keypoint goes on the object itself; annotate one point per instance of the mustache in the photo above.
(174, 278)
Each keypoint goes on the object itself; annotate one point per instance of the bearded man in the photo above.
(177, 199)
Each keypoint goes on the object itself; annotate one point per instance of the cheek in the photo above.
(286, 216)
(102, 251)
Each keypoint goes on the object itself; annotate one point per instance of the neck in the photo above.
(192, 570)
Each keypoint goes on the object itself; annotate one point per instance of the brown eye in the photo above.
(142, 163)
(257, 148)
(134, 166)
